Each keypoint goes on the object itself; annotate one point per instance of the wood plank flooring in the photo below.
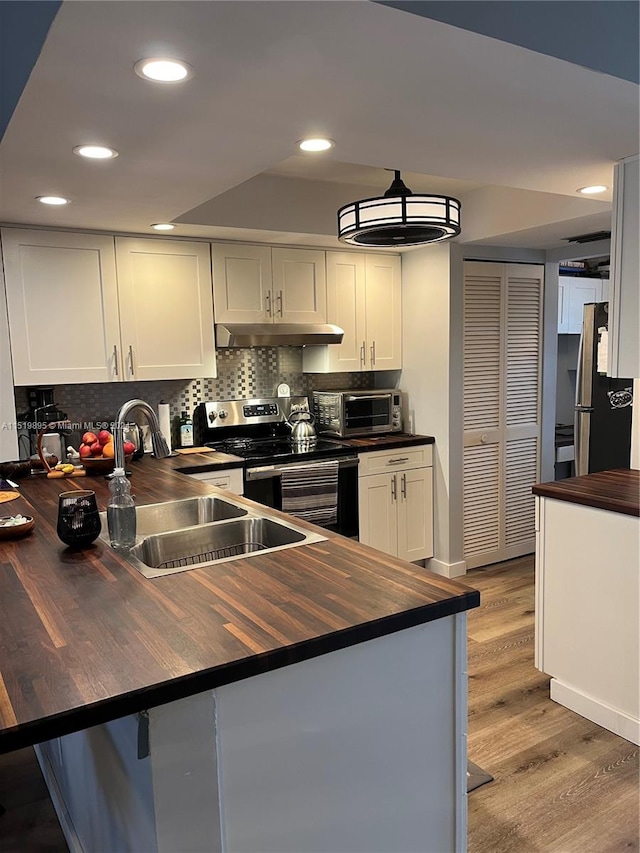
(562, 784)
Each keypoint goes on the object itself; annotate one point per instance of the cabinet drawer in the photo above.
(420, 456)
(229, 479)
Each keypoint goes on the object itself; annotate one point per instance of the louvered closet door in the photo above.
(501, 388)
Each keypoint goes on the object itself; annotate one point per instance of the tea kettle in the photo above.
(302, 429)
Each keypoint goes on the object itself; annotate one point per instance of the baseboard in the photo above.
(447, 570)
(68, 829)
(609, 718)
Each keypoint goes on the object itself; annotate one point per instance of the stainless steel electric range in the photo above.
(257, 431)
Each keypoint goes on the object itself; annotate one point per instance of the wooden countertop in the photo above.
(616, 491)
(85, 638)
(386, 442)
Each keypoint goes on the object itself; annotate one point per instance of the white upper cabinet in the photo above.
(258, 284)
(242, 284)
(299, 286)
(166, 309)
(624, 301)
(62, 302)
(573, 294)
(364, 298)
(86, 308)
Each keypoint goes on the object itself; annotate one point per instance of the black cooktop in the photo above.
(262, 451)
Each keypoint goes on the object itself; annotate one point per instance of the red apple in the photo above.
(128, 447)
(104, 437)
(96, 449)
(89, 438)
(84, 451)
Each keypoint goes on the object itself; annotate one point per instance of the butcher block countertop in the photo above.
(85, 638)
(616, 491)
(392, 441)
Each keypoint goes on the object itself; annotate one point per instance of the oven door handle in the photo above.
(353, 397)
(264, 472)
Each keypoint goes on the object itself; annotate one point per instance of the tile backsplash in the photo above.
(242, 373)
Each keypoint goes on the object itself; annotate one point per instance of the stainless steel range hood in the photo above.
(276, 334)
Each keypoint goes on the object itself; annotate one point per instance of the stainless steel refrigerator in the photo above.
(603, 405)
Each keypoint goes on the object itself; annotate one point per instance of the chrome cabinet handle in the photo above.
(403, 489)
(131, 367)
(398, 461)
(115, 360)
(362, 353)
(267, 300)
(373, 353)
(393, 488)
(279, 299)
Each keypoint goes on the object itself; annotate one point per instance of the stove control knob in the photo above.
(222, 414)
(213, 416)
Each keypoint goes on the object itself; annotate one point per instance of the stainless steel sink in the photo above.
(179, 535)
(175, 515)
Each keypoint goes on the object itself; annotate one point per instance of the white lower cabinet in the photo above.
(229, 479)
(395, 502)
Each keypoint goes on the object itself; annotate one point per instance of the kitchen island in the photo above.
(588, 596)
(309, 699)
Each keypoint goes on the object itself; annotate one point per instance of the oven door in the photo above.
(262, 485)
(363, 414)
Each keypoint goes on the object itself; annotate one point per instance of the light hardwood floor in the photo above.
(562, 784)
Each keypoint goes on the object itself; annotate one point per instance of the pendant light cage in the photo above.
(401, 218)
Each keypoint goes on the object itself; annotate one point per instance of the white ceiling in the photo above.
(511, 132)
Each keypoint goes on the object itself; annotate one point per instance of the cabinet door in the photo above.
(62, 302)
(299, 286)
(581, 292)
(242, 284)
(383, 312)
(166, 310)
(346, 309)
(378, 518)
(415, 514)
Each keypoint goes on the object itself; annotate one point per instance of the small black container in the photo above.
(78, 518)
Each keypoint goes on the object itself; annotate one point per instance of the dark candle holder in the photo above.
(78, 518)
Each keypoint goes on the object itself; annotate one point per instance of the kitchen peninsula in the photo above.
(309, 699)
(588, 596)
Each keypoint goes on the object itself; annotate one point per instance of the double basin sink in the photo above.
(194, 532)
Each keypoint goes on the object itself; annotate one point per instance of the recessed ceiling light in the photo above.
(597, 188)
(163, 226)
(95, 152)
(52, 199)
(163, 70)
(316, 143)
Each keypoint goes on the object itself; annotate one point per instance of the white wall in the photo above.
(426, 320)
(8, 430)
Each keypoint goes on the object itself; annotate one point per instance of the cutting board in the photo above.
(184, 451)
(54, 475)
(5, 497)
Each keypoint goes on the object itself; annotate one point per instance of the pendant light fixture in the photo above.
(399, 218)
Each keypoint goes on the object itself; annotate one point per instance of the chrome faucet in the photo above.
(160, 446)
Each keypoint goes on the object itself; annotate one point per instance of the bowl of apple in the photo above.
(97, 452)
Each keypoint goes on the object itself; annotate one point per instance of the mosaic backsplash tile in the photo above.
(242, 373)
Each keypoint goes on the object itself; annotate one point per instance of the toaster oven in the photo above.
(347, 414)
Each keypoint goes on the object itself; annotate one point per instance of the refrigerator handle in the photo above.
(579, 376)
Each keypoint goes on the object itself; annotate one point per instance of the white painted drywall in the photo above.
(8, 428)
